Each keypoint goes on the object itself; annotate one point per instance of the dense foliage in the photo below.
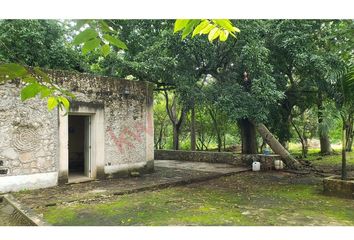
(290, 74)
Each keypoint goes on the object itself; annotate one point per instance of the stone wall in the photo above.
(28, 134)
(211, 157)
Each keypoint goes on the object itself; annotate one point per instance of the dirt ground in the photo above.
(167, 173)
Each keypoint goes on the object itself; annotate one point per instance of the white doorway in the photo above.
(81, 131)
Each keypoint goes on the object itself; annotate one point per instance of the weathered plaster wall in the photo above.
(127, 114)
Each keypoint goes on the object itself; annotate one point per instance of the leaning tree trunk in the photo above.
(273, 143)
(248, 137)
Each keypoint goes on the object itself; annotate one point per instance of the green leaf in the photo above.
(236, 29)
(200, 27)
(90, 45)
(12, 71)
(223, 35)
(29, 79)
(207, 29)
(115, 41)
(105, 50)
(65, 102)
(80, 23)
(85, 36)
(52, 103)
(225, 23)
(189, 27)
(45, 92)
(30, 91)
(104, 26)
(213, 34)
(180, 24)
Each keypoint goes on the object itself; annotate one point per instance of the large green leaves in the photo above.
(105, 50)
(191, 24)
(30, 91)
(90, 45)
(98, 35)
(85, 36)
(180, 24)
(215, 28)
(52, 103)
(60, 101)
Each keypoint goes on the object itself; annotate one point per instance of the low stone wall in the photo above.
(211, 157)
(334, 186)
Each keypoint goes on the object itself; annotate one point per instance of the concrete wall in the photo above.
(202, 156)
(29, 133)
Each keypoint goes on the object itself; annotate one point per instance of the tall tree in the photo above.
(302, 65)
(39, 43)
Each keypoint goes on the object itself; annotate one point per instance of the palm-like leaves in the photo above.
(348, 87)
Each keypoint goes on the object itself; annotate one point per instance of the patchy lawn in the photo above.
(334, 160)
(271, 198)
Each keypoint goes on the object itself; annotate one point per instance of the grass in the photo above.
(243, 200)
(334, 160)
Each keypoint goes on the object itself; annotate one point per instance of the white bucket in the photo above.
(278, 164)
(256, 166)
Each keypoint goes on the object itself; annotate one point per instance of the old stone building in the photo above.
(108, 132)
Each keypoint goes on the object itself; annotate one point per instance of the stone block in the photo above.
(9, 153)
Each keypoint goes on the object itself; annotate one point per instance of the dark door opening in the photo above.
(79, 145)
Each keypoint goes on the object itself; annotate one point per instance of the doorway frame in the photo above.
(96, 129)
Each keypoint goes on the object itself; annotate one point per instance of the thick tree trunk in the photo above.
(248, 137)
(325, 144)
(193, 137)
(273, 143)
